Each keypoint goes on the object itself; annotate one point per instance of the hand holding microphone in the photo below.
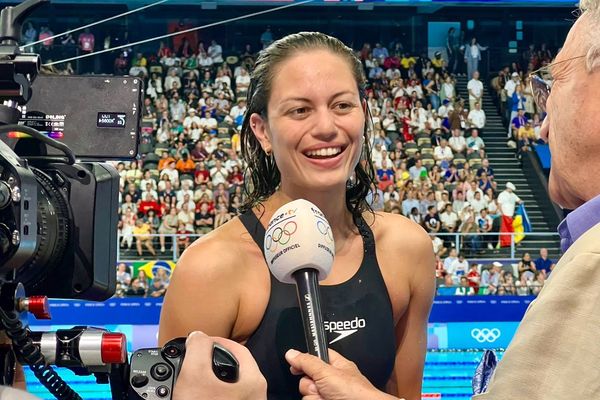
(299, 249)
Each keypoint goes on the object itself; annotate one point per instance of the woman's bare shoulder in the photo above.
(398, 230)
(398, 238)
(208, 284)
(222, 249)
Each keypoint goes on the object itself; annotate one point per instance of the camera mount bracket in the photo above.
(17, 70)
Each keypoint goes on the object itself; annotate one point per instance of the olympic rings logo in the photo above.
(325, 231)
(486, 335)
(280, 235)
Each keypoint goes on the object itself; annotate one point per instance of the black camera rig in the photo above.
(58, 221)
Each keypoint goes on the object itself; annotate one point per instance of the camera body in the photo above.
(59, 218)
(58, 228)
(153, 372)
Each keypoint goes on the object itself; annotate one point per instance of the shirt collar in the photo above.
(578, 222)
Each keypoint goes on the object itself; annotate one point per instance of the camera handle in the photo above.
(13, 308)
(17, 70)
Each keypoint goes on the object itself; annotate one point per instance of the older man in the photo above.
(555, 352)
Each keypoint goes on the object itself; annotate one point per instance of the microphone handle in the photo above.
(309, 298)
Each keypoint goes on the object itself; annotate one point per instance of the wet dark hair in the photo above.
(261, 176)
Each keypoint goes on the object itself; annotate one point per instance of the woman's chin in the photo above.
(326, 181)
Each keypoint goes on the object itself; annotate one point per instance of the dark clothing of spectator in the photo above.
(519, 121)
(489, 171)
(157, 289)
(431, 222)
(135, 196)
(543, 265)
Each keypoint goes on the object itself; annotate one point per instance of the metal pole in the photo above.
(512, 245)
(175, 247)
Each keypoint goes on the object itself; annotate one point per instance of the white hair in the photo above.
(592, 6)
(592, 58)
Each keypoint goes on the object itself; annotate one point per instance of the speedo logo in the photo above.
(344, 328)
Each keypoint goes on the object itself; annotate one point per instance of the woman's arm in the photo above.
(411, 329)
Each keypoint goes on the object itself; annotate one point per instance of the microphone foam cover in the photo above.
(298, 236)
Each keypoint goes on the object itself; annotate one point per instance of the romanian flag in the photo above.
(518, 228)
(523, 213)
(521, 224)
(506, 226)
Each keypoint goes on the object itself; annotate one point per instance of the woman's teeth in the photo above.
(325, 152)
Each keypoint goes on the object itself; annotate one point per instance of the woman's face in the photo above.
(315, 121)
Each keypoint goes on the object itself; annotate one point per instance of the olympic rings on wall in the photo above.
(485, 335)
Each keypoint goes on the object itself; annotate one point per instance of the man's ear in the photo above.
(259, 127)
(592, 59)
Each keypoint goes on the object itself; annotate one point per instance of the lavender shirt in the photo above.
(579, 222)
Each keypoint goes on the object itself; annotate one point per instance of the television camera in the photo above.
(58, 221)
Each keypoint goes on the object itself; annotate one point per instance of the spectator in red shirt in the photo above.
(201, 175)
(236, 177)
(86, 41)
(183, 239)
(210, 204)
(46, 33)
(199, 152)
(149, 203)
(163, 51)
(474, 277)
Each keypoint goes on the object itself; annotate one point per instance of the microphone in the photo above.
(299, 249)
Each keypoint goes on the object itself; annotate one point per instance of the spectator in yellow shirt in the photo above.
(527, 132)
(438, 63)
(406, 63)
(141, 232)
(526, 137)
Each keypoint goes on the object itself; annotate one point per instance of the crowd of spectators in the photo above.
(515, 99)
(428, 152)
(427, 147)
(141, 285)
(459, 277)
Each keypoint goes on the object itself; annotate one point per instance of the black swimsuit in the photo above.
(358, 321)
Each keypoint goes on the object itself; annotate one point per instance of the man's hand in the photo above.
(198, 381)
(340, 380)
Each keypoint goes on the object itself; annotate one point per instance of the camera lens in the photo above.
(4, 240)
(4, 195)
(53, 228)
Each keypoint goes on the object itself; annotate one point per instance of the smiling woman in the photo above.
(304, 136)
(263, 174)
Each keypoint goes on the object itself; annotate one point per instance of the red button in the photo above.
(38, 306)
(114, 348)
